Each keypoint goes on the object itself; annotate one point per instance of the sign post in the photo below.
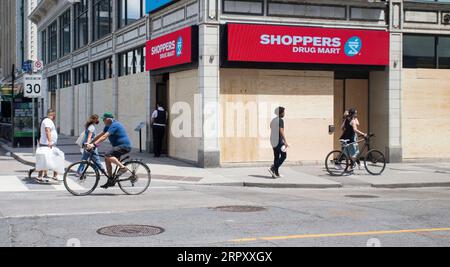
(33, 89)
(139, 129)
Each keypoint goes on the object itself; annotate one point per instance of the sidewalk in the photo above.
(173, 171)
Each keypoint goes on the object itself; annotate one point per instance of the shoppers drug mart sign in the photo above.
(268, 43)
(170, 50)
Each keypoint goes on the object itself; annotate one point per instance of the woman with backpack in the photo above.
(350, 132)
(89, 135)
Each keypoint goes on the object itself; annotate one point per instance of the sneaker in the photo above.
(108, 184)
(272, 172)
(279, 175)
(121, 171)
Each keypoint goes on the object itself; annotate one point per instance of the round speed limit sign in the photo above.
(32, 86)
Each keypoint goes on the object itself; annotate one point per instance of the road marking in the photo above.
(11, 184)
(370, 233)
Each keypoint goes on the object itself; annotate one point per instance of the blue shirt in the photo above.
(117, 135)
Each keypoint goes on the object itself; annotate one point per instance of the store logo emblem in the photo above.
(179, 46)
(353, 46)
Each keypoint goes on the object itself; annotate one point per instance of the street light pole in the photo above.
(13, 75)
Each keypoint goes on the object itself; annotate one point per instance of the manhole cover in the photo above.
(361, 196)
(239, 208)
(130, 230)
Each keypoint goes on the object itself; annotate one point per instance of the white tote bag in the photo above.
(50, 159)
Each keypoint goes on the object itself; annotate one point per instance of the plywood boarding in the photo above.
(132, 107)
(426, 113)
(307, 97)
(182, 89)
(379, 110)
(65, 111)
(357, 96)
(338, 111)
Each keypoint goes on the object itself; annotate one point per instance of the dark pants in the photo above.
(158, 136)
(279, 158)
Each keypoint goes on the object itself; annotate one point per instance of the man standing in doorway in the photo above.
(278, 141)
(159, 123)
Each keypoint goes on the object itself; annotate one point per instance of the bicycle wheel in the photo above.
(336, 163)
(375, 162)
(84, 184)
(137, 181)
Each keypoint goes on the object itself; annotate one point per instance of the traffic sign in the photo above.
(32, 86)
(38, 65)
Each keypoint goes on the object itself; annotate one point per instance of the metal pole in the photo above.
(140, 141)
(34, 129)
(13, 74)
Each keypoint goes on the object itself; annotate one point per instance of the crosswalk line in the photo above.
(12, 184)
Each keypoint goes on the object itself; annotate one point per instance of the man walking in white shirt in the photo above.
(49, 138)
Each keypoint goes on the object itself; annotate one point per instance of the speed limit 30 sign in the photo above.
(32, 86)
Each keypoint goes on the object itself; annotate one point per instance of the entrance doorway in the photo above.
(162, 97)
(350, 93)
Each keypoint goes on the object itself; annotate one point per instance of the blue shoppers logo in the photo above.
(179, 46)
(353, 46)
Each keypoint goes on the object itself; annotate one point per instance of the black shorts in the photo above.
(118, 152)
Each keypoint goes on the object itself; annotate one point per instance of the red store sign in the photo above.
(288, 44)
(169, 50)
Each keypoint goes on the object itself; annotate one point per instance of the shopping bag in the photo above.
(58, 160)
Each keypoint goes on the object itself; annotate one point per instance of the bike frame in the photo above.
(91, 154)
(366, 147)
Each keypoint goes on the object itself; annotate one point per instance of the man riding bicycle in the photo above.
(118, 137)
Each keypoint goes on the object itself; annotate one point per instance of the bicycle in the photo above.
(338, 162)
(136, 181)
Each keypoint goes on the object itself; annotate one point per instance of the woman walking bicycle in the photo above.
(89, 135)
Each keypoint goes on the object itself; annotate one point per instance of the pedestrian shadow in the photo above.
(261, 176)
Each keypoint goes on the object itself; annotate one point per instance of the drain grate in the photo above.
(361, 196)
(130, 230)
(239, 208)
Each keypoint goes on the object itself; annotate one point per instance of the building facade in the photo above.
(222, 66)
(18, 46)
(94, 58)
(254, 55)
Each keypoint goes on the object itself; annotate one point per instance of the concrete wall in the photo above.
(132, 105)
(182, 89)
(307, 97)
(66, 110)
(426, 113)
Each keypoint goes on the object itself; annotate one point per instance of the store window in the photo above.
(64, 80)
(132, 62)
(102, 18)
(81, 75)
(130, 11)
(81, 24)
(52, 83)
(426, 51)
(102, 69)
(52, 41)
(419, 51)
(44, 46)
(64, 35)
(443, 51)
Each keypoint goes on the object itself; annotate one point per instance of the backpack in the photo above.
(81, 138)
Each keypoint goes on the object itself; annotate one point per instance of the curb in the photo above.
(306, 186)
(415, 185)
(16, 157)
(272, 185)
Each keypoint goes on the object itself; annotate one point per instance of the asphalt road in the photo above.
(42, 215)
